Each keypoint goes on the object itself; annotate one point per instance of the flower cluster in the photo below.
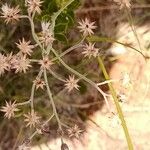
(20, 62)
(46, 36)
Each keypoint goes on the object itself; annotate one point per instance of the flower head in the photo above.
(25, 46)
(10, 13)
(39, 83)
(9, 109)
(34, 5)
(90, 50)
(86, 27)
(46, 35)
(71, 83)
(74, 131)
(21, 64)
(32, 119)
(46, 63)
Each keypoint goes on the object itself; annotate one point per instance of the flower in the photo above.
(9, 109)
(25, 47)
(21, 64)
(39, 83)
(86, 27)
(74, 131)
(3, 64)
(32, 119)
(34, 5)
(10, 13)
(71, 83)
(46, 35)
(123, 3)
(46, 63)
(90, 50)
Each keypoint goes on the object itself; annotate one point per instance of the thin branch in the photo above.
(82, 77)
(51, 99)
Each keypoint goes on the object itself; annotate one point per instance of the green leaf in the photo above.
(46, 17)
(52, 6)
(61, 37)
(70, 18)
(74, 5)
(61, 28)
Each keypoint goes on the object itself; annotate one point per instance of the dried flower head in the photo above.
(74, 131)
(34, 5)
(21, 63)
(9, 109)
(86, 27)
(10, 14)
(123, 3)
(46, 35)
(25, 47)
(90, 50)
(3, 64)
(71, 83)
(32, 119)
(46, 63)
(39, 83)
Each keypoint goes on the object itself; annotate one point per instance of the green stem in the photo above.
(54, 17)
(77, 45)
(119, 110)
